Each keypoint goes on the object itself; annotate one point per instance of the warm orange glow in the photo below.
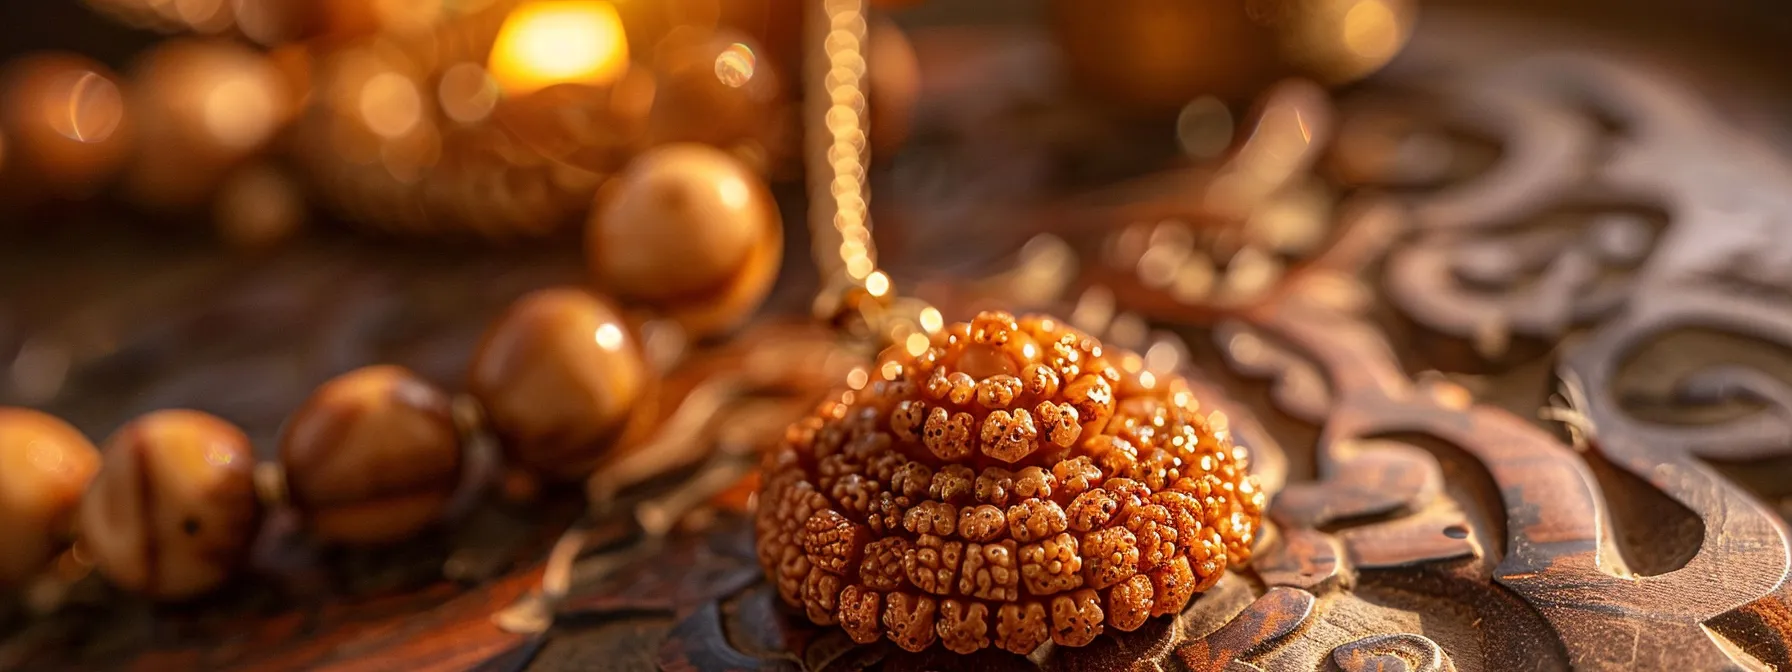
(467, 93)
(83, 106)
(559, 42)
(735, 65)
(1372, 31)
(390, 105)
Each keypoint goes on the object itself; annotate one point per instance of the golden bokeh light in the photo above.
(258, 207)
(407, 15)
(735, 65)
(84, 106)
(240, 111)
(1372, 30)
(65, 121)
(390, 105)
(559, 42)
(199, 108)
(467, 93)
(1343, 40)
(1204, 127)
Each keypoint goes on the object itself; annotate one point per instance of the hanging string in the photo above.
(838, 151)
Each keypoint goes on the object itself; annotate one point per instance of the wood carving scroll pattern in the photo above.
(1370, 479)
(1273, 616)
(1722, 208)
(1558, 555)
(1387, 653)
(1742, 559)
(1547, 237)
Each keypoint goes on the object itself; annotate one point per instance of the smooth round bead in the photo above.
(372, 457)
(559, 375)
(64, 123)
(44, 466)
(690, 230)
(173, 511)
(202, 107)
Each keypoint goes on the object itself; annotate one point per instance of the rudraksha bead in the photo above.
(1063, 494)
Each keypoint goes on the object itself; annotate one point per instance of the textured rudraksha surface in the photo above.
(1011, 483)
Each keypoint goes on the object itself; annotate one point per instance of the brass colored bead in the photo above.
(372, 457)
(690, 230)
(559, 375)
(173, 510)
(44, 466)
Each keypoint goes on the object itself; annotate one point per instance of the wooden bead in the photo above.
(690, 230)
(559, 376)
(173, 511)
(892, 85)
(44, 466)
(372, 457)
(202, 107)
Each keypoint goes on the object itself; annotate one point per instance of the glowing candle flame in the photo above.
(559, 42)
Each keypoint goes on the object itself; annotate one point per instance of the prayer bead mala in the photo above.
(169, 505)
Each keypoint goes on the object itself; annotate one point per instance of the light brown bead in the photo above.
(173, 510)
(372, 457)
(559, 375)
(201, 108)
(44, 466)
(690, 230)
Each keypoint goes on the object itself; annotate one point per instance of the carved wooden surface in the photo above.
(1519, 367)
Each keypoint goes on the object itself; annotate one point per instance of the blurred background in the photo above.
(257, 195)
